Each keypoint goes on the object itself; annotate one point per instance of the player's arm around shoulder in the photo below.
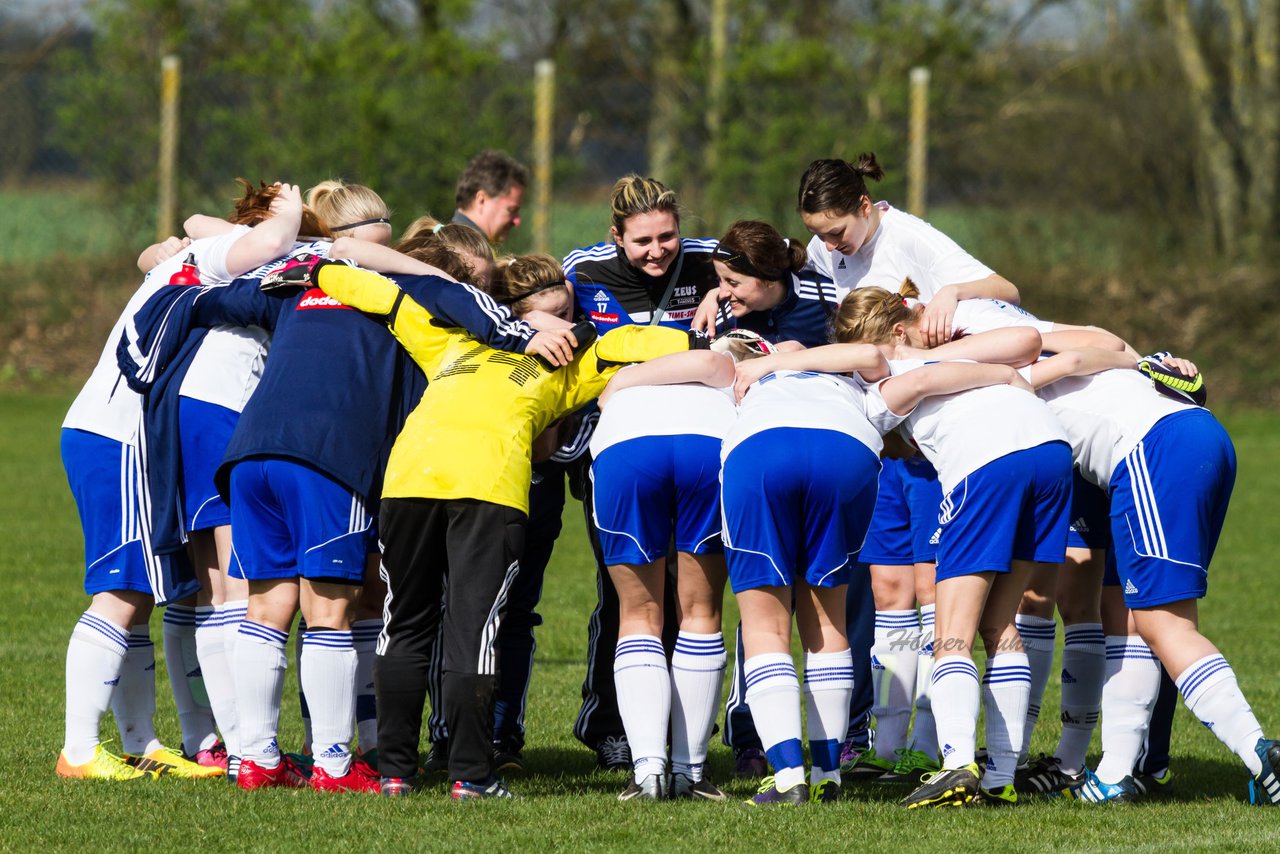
(588, 375)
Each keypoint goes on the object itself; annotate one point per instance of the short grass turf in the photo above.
(563, 803)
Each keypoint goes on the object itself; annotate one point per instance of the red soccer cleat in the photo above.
(286, 774)
(359, 778)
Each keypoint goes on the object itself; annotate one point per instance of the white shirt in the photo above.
(1105, 416)
(960, 433)
(812, 400)
(902, 246)
(228, 366)
(106, 406)
(983, 315)
(687, 409)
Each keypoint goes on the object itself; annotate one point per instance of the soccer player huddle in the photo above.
(867, 439)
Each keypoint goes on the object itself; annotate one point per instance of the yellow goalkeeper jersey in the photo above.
(471, 435)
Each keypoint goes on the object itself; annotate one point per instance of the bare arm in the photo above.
(200, 226)
(1078, 363)
(158, 253)
(1017, 346)
(864, 359)
(905, 391)
(695, 366)
(937, 322)
(1068, 327)
(271, 238)
(384, 259)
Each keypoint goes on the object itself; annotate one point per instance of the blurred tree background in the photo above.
(1117, 159)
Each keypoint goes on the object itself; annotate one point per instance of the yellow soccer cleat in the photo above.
(171, 763)
(104, 765)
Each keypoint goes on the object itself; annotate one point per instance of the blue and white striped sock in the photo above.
(1130, 690)
(186, 677)
(924, 736)
(134, 702)
(1006, 691)
(955, 697)
(1211, 692)
(259, 678)
(364, 635)
(328, 680)
(1084, 663)
(1039, 634)
(215, 665)
(894, 657)
(643, 683)
(828, 688)
(697, 671)
(95, 654)
(773, 694)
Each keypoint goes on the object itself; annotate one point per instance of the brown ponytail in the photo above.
(837, 187)
(868, 315)
(755, 248)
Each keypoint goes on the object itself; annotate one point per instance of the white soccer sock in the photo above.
(232, 615)
(1038, 637)
(328, 680)
(924, 736)
(1006, 690)
(134, 701)
(95, 655)
(955, 697)
(643, 684)
(212, 650)
(828, 688)
(303, 709)
(1128, 695)
(1211, 692)
(1084, 667)
(894, 655)
(773, 694)
(697, 671)
(364, 635)
(186, 680)
(258, 672)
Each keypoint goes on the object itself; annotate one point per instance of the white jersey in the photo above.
(227, 367)
(960, 433)
(815, 401)
(902, 246)
(1105, 416)
(106, 405)
(687, 409)
(983, 315)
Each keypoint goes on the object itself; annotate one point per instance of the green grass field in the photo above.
(563, 804)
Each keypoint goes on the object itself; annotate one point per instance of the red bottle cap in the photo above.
(188, 274)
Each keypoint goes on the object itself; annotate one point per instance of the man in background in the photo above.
(490, 193)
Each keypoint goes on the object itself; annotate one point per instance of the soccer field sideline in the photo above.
(564, 803)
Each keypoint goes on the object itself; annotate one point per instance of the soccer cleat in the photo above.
(1005, 796)
(769, 795)
(1094, 791)
(683, 786)
(1264, 790)
(651, 788)
(171, 763)
(1154, 785)
(394, 787)
(507, 760)
(211, 757)
(862, 764)
(1045, 777)
(910, 767)
(438, 759)
(285, 775)
(495, 788)
(824, 792)
(613, 753)
(950, 787)
(750, 762)
(359, 778)
(104, 765)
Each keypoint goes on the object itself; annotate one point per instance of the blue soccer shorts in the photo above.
(796, 504)
(1090, 515)
(289, 520)
(1169, 500)
(1016, 507)
(205, 430)
(904, 528)
(648, 490)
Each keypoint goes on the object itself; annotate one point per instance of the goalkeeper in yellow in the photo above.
(454, 505)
